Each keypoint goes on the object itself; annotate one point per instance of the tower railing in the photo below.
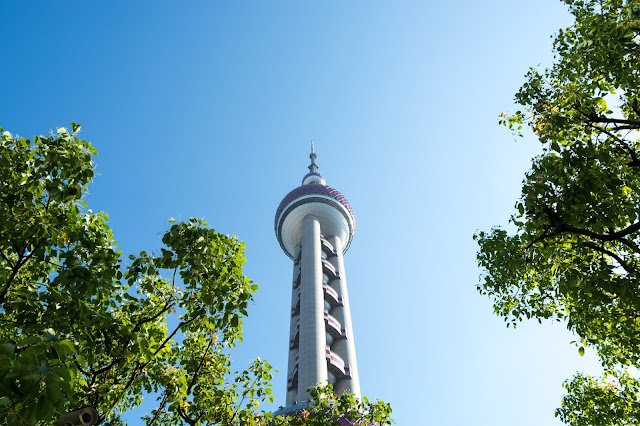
(328, 267)
(331, 295)
(333, 325)
(335, 363)
(327, 245)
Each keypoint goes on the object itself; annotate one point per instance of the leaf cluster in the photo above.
(575, 252)
(80, 326)
(326, 409)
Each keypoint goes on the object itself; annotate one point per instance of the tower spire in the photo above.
(313, 168)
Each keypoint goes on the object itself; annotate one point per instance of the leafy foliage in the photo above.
(575, 255)
(604, 401)
(327, 410)
(81, 326)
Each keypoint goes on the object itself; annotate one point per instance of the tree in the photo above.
(81, 326)
(575, 252)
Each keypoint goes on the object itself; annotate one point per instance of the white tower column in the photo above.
(344, 347)
(312, 364)
(292, 388)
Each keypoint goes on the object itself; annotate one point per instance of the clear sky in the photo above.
(206, 109)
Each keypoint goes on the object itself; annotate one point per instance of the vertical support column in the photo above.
(292, 395)
(345, 348)
(312, 364)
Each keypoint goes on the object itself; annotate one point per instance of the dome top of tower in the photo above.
(313, 178)
(315, 197)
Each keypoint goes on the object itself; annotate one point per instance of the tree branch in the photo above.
(141, 365)
(86, 373)
(599, 119)
(200, 364)
(160, 409)
(634, 158)
(634, 106)
(5, 289)
(633, 246)
(185, 417)
(603, 250)
(7, 259)
(22, 260)
(562, 225)
(542, 237)
(117, 359)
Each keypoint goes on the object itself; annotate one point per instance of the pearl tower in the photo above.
(314, 225)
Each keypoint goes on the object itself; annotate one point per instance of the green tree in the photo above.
(81, 326)
(575, 252)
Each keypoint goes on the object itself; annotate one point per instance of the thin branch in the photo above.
(5, 289)
(7, 259)
(117, 359)
(22, 260)
(185, 417)
(160, 409)
(603, 250)
(23, 323)
(634, 106)
(633, 246)
(173, 333)
(168, 305)
(141, 365)
(86, 373)
(35, 248)
(17, 249)
(244, 395)
(200, 364)
(617, 128)
(625, 146)
(542, 237)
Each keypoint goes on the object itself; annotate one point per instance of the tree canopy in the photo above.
(574, 252)
(82, 326)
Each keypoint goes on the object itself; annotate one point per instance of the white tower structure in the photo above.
(315, 224)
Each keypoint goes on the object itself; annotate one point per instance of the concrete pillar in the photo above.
(292, 395)
(345, 348)
(312, 364)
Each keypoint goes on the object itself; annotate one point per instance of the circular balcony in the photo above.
(331, 296)
(330, 270)
(336, 365)
(333, 326)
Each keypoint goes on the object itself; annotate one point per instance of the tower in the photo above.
(314, 225)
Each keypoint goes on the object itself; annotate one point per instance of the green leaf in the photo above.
(53, 392)
(44, 409)
(8, 349)
(63, 347)
(30, 340)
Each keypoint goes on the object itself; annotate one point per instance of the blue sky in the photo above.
(206, 109)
